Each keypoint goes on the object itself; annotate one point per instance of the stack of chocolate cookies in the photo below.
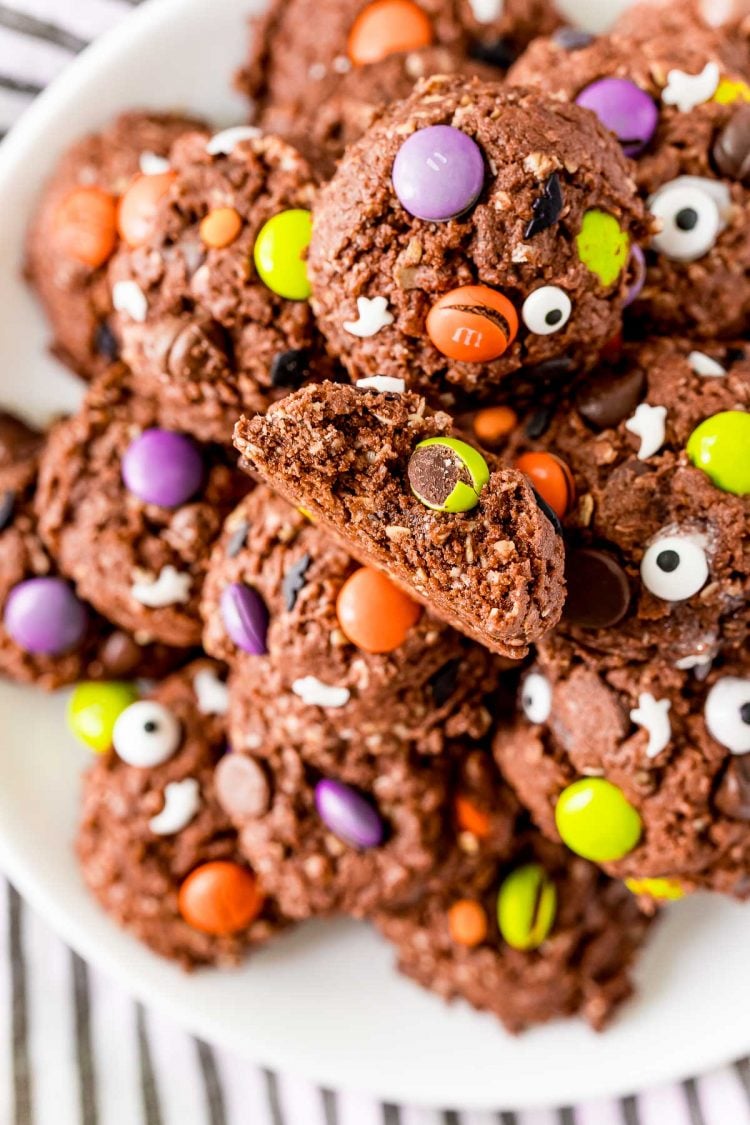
(399, 548)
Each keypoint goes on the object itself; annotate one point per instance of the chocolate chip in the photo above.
(7, 507)
(598, 589)
(731, 150)
(572, 38)
(237, 540)
(538, 422)
(606, 397)
(434, 471)
(18, 442)
(120, 655)
(294, 581)
(499, 53)
(198, 349)
(733, 795)
(551, 515)
(546, 208)
(549, 371)
(444, 682)
(290, 369)
(105, 342)
(242, 787)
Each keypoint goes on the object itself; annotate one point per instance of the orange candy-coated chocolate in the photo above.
(471, 819)
(493, 424)
(388, 27)
(473, 324)
(375, 614)
(220, 227)
(467, 922)
(552, 479)
(86, 225)
(220, 898)
(137, 212)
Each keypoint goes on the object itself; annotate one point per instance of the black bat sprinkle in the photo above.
(546, 208)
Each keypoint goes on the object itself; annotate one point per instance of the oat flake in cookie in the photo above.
(348, 656)
(75, 230)
(477, 547)
(154, 844)
(675, 91)
(213, 294)
(129, 509)
(641, 768)
(532, 268)
(658, 536)
(563, 945)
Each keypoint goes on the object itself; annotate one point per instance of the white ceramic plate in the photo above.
(323, 1001)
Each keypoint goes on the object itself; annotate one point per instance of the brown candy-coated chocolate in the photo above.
(733, 795)
(598, 589)
(731, 151)
(606, 397)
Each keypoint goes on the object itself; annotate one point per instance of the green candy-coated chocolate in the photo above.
(464, 495)
(596, 821)
(720, 446)
(93, 710)
(279, 254)
(526, 907)
(603, 246)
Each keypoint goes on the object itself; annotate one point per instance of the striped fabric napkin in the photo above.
(74, 1048)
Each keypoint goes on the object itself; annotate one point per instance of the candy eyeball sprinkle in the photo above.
(675, 567)
(691, 221)
(546, 310)
(146, 734)
(727, 713)
(536, 697)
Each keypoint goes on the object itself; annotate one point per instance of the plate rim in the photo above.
(20, 869)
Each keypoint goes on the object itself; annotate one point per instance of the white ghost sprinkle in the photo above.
(151, 164)
(129, 298)
(211, 693)
(315, 693)
(181, 802)
(649, 424)
(487, 11)
(383, 383)
(225, 142)
(653, 716)
(372, 315)
(686, 91)
(702, 364)
(169, 588)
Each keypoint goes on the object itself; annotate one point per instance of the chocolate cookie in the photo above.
(48, 636)
(75, 231)
(383, 474)
(298, 50)
(212, 293)
(318, 643)
(658, 558)
(129, 509)
(675, 92)
(347, 104)
(472, 231)
(154, 844)
(541, 936)
(365, 833)
(639, 767)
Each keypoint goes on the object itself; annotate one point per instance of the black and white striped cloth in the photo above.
(74, 1048)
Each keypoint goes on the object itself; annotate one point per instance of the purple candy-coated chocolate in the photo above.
(44, 616)
(348, 815)
(245, 618)
(624, 108)
(438, 173)
(162, 467)
(638, 271)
